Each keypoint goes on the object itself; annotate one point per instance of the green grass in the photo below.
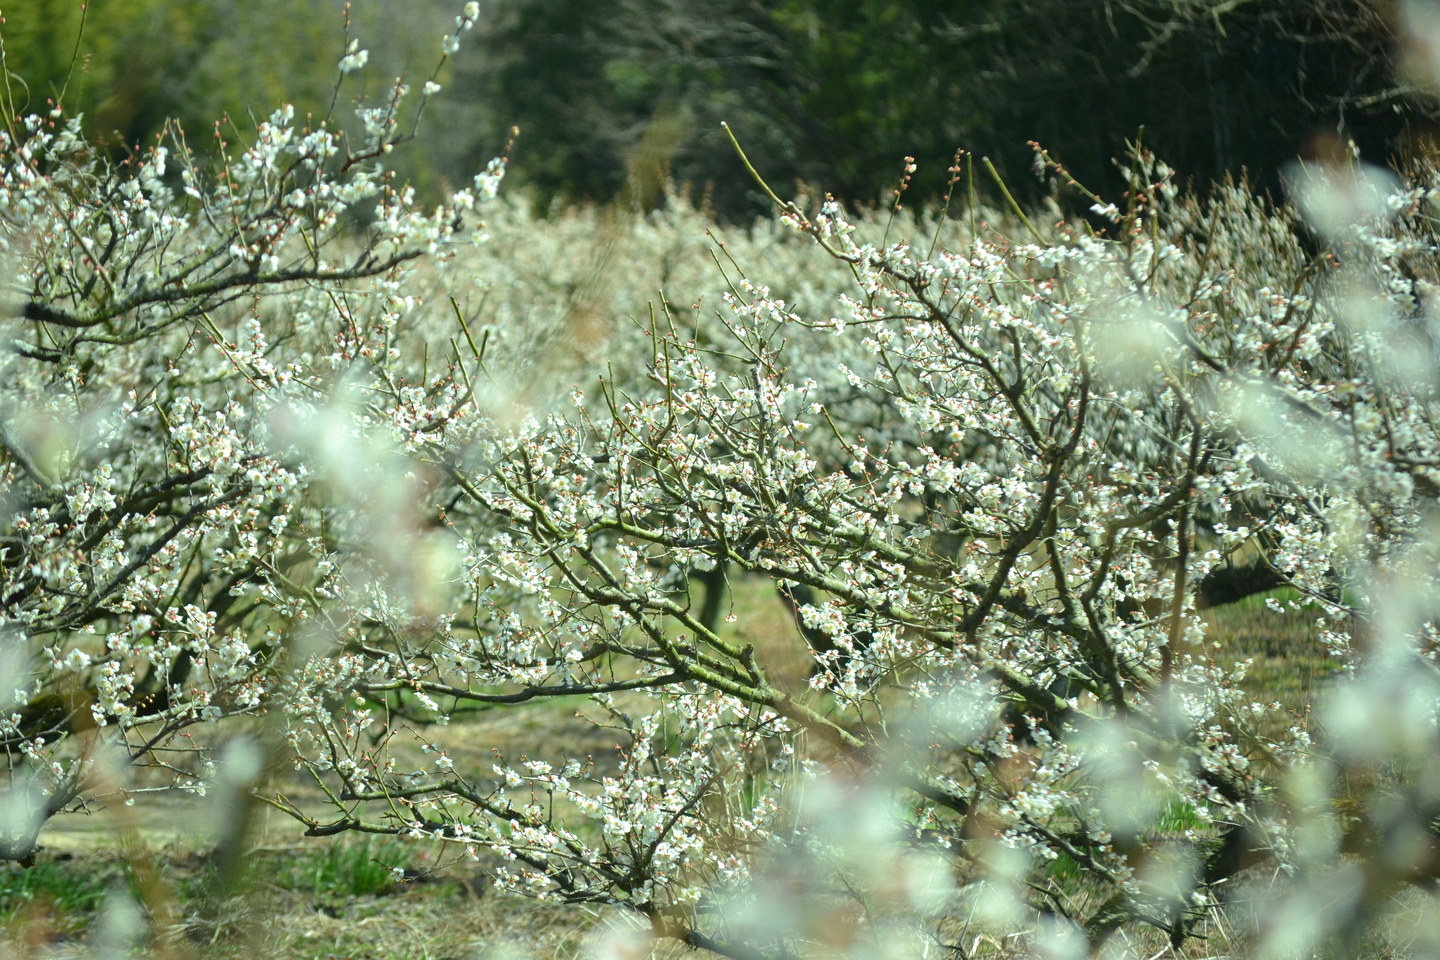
(1290, 664)
(1064, 869)
(1177, 817)
(359, 868)
(1259, 601)
(303, 901)
(69, 890)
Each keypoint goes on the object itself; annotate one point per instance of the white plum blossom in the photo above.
(259, 461)
(354, 59)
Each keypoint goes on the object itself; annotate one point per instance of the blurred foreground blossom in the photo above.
(1336, 199)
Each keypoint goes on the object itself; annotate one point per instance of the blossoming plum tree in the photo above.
(250, 472)
(998, 490)
(142, 489)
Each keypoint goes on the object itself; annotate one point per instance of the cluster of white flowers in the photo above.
(990, 497)
(160, 505)
(254, 464)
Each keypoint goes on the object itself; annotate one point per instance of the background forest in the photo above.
(831, 94)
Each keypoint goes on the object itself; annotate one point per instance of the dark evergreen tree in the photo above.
(838, 92)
